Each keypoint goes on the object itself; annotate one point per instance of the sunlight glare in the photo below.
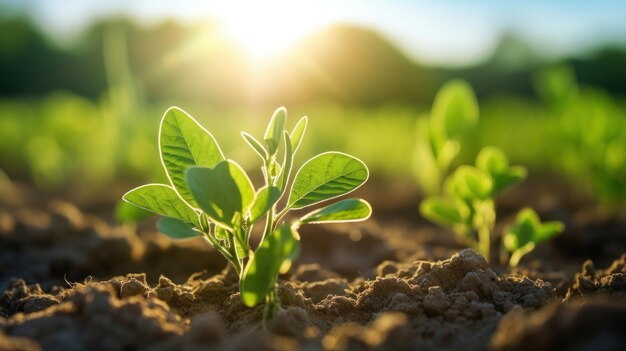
(264, 29)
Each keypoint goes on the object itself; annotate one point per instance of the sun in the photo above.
(265, 29)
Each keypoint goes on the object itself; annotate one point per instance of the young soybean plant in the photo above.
(211, 196)
(454, 114)
(528, 231)
(468, 208)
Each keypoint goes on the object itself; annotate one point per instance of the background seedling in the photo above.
(453, 115)
(213, 197)
(528, 231)
(468, 208)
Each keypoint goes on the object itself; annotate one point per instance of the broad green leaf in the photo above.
(163, 200)
(283, 179)
(492, 160)
(274, 131)
(255, 145)
(273, 256)
(176, 229)
(348, 210)
(184, 143)
(326, 176)
(470, 183)
(528, 228)
(266, 197)
(549, 230)
(443, 211)
(224, 193)
(511, 177)
(455, 110)
(298, 133)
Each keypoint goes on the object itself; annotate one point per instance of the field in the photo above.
(449, 258)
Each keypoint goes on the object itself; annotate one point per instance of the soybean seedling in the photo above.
(468, 207)
(439, 136)
(212, 197)
(526, 232)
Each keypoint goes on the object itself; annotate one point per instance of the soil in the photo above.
(73, 280)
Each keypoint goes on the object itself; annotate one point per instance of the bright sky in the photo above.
(448, 32)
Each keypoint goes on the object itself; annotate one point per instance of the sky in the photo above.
(442, 32)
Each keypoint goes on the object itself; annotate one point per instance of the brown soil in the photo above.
(72, 281)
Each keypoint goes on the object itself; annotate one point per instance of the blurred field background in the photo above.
(82, 87)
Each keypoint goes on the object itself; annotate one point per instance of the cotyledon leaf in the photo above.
(184, 143)
(326, 176)
(163, 200)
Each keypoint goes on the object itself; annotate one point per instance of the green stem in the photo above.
(272, 305)
(483, 241)
(233, 252)
(516, 256)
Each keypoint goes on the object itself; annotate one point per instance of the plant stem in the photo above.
(271, 305)
(483, 241)
(233, 251)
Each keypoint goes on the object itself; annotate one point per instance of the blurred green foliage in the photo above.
(80, 116)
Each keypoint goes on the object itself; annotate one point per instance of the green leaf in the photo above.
(448, 151)
(184, 143)
(326, 176)
(443, 211)
(528, 228)
(176, 229)
(266, 197)
(455, 110)
(224, 193)
(470, 183)
(509, 178)
(348, 210)
(549, 230)
(287, 164)
(163, 200)
(274, 131)
(425, 166)
(298, 133)
(273, 256)
(492, 160)
(221, 233)
(255, 145)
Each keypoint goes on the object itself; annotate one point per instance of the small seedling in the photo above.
(468, 207)
(528, 231)
(439, 136)
(212, 197)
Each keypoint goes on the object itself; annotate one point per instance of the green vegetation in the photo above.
(528, 231)
(591, 134)
(439, 137)
(468, 206)
(211, 196)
